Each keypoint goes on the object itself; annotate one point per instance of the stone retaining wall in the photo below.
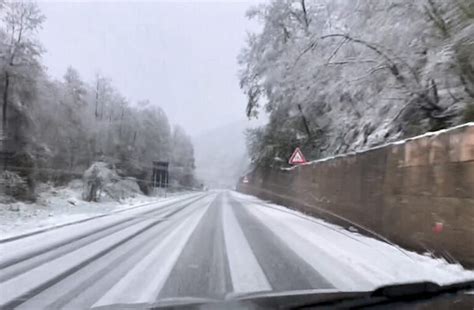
(419, 193)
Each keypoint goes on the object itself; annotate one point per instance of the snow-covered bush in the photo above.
(94, 179)
(101, 178)
(13, 185)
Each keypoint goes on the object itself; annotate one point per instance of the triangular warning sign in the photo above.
(297, 157)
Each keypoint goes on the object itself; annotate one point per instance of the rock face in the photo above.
(132, 170)
(101, 179)
(122, 189)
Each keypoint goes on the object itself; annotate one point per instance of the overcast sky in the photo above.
(179, 55)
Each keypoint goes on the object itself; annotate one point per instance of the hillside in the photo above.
(333, 85)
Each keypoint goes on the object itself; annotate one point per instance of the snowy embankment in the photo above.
(57, 206)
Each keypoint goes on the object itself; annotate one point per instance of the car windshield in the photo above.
(161, 152)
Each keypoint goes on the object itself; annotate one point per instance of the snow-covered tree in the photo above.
(19, 54)
(182, 157)
(58, 128)
(341, 75)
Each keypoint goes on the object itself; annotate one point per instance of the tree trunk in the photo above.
(4, 118)
(5, 102)
(97, 101)
(120, 124)
(305, 15)
(305, 122)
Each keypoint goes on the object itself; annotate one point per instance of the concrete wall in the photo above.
(400, 191)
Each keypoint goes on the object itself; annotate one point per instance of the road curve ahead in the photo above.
(211, 245)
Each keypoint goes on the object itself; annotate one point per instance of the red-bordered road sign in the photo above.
(297, 157)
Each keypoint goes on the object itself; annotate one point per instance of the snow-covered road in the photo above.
(207, 245)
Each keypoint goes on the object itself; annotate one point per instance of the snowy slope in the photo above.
(58, 206)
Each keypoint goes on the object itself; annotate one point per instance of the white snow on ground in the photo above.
(47, 239)
(351, 258)
(57, 206)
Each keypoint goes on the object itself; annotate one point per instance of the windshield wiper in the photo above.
(398, 293)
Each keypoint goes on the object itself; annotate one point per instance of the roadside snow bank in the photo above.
(56, 206)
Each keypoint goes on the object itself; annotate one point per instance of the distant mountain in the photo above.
(221, 155)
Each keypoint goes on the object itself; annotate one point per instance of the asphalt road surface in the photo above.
(212, 245)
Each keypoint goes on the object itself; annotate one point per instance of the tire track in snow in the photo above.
(284, 269)
(342, 276)
(144, 281)
(90, 284)
(79, 239)
(16, 290)
(246, 273)
(202, 269)
(43, 230)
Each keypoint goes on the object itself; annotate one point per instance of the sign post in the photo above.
(297, 158)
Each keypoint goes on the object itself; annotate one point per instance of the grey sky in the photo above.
(179, 55)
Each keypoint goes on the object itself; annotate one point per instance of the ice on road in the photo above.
(207, 245)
